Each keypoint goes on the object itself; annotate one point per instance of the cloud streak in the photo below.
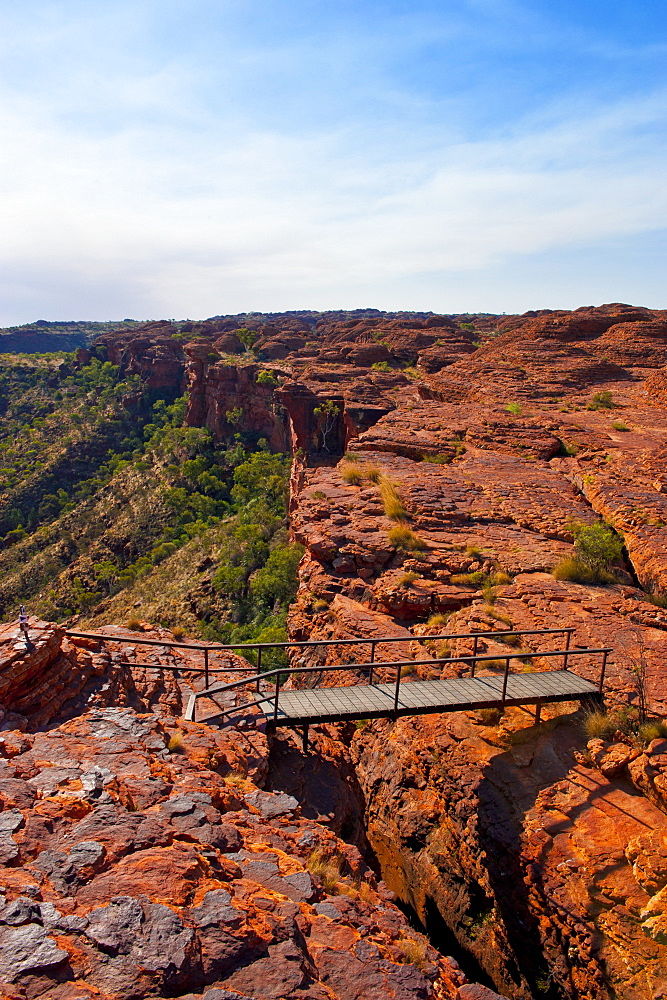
(142, 191)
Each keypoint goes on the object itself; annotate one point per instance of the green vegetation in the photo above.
(266, 378)
(514, 408)
(407, 578)
(381, 366)
(327, 414)
(619, 425)
(626, 720)
(103, 486)
(601, 401)
(597, 548)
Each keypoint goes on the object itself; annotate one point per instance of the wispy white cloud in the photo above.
(140, 189)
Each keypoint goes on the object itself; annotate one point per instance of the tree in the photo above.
(327, 415)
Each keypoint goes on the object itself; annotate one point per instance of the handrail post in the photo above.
(603, 671)
(474, 662)
(370, 675)
(276, 696)
(507, 670)
(259, 665)
(398, 688)
(206, 666)
(568, 636)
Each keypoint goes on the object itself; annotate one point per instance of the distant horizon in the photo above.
(268, 312)
(158, 158)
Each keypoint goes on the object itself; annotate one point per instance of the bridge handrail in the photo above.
(260, 646)
(472, 659)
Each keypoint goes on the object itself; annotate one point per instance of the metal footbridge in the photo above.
(385, 689)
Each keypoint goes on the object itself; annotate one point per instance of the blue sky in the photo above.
(190, 157)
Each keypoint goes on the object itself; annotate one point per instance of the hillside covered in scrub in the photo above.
(334, 476)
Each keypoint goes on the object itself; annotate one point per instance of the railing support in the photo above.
(568, 635)
(538, 713)
(370, 674)
(474, 653)
(507, 671)
(259, 666)
(206, 667)
(603, 671)
(304, 738)
(276, 696)
(398, 687)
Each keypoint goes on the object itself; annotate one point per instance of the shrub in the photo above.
(393, 505)
(514, 408)
(405, 579)
(596, 545)
(654, 730)
(349, 456)
(319, 604)
(601, 401)
(619, 425)
(381, 366)
(266, 378)
(403, 538)
(318, 495)
(473, 551)
(134, 624)
(408, 669)
(178, 632)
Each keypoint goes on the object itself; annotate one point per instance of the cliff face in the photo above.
(143, 857)
(536, 856)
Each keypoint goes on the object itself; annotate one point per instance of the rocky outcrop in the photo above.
(142, 856)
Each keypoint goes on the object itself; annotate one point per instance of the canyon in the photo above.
(463, 856)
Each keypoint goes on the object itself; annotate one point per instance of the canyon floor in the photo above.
(442, 467)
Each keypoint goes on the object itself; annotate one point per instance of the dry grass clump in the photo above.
(134, 624)
(351, 474)
(473, 551)
(405, 579)
(576, 571)
(600, 725)
(391, 501)
(489, 716)
(498, 615)
(403, 538)
(492, 664)
(439, 619)
(178, 632)
(176, 743)
(327, 869)
(408, 669)
(414, 951)
(372, 473)
(619, 425)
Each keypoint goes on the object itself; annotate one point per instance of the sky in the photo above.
(189, 158)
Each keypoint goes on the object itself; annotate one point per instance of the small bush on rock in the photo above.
(393, 505)
(403, 538)
(405, 579)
